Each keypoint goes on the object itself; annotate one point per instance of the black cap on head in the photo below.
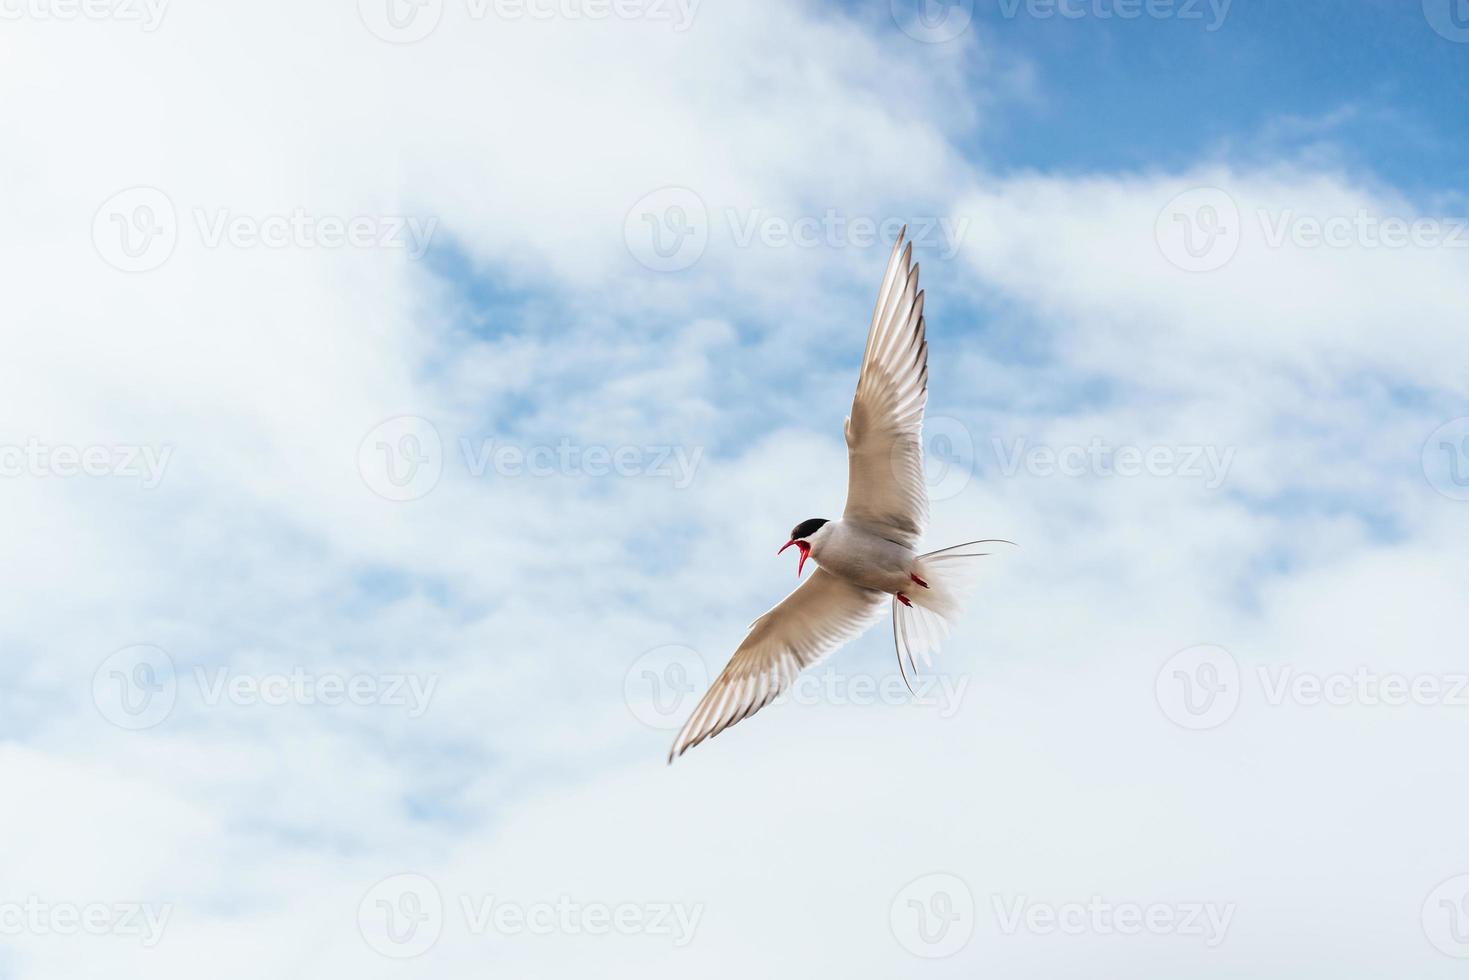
(807, 528)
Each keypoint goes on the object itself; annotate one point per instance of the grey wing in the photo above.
(818, 616)
(885, 485)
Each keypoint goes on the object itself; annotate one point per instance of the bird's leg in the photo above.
(904, 599)
(918, 580)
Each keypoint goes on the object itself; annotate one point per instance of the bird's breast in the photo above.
(862, 557)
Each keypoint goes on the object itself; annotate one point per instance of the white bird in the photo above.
(869, 556)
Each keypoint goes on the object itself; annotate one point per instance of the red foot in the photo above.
(920, 581)
(904, 599)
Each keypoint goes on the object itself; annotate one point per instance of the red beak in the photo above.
(805, 553)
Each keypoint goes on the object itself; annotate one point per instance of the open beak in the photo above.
(805, 547)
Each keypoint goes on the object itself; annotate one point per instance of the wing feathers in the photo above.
(820, 615)
(885, 486)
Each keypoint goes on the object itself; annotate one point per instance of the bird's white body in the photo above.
(864, 558)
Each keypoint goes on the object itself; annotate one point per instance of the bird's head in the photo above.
(801, 536)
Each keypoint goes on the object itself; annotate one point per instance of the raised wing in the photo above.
(885, 486)
(820, 615)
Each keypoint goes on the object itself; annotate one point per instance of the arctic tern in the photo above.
(869, 556)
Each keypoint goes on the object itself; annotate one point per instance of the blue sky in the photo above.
(375, 578)
(1371, 78)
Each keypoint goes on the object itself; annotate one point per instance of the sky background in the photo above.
(402, 404)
